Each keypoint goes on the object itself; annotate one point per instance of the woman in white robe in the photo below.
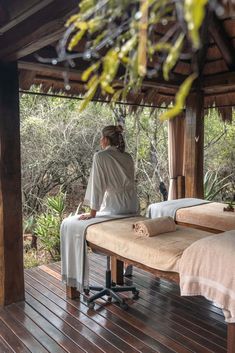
(111, 186)
(111, 191)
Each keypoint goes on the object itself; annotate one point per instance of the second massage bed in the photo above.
(209, 216)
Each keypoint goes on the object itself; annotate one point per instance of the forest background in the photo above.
(58, 143)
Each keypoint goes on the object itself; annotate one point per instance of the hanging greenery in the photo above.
(120, 40)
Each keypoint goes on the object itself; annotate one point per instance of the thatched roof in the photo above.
(33, 28)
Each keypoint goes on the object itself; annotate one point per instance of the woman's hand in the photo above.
(85, 216)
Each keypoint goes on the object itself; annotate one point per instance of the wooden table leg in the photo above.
(117, 270)
(72, 292)
(231, 338)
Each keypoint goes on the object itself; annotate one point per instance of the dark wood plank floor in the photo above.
(159, 321)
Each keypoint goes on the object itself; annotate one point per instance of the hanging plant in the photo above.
(120, 41)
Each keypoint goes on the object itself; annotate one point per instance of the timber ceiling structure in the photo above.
(32, 28)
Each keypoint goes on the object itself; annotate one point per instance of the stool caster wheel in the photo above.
(86, 291)
(124, 306)
(91, 305)
(113, 284)
(136, 294)
(109, 299)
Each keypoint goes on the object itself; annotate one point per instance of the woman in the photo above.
(111, 191)
(111, 186)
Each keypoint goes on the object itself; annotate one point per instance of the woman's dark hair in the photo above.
(114, 134)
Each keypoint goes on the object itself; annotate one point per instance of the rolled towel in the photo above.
(156, 226)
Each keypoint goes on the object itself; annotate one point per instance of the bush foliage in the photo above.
(58, 143)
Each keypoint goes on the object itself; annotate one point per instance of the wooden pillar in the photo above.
(176, 128)
(11, 240)
(194, 143)
(180, 186)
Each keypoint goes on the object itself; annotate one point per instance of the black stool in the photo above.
(110, 290)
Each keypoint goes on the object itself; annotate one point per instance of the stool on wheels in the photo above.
(110, 289)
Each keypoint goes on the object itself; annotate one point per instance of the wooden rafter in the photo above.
(4, 16)
(220, 79)
(18, 11)
(36, 31)
(75, 74)
(223, 41)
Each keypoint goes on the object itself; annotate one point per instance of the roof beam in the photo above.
(220, 83)
(223, 79)
(223, 41)
(18, 11)
(75, 75)
(40, 29)
(48, 69)
(4, 16)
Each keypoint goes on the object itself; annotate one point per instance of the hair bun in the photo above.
(119, 129)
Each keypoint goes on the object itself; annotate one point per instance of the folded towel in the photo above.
(152, 227)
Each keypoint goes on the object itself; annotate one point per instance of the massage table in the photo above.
(208, 216)
(161, 255)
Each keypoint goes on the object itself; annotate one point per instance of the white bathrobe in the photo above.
(111, 186)
(111, 191)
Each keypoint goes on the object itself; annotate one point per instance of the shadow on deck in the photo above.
(159, 321)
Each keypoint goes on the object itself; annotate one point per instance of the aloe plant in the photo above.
(213, 184)
(47, 226)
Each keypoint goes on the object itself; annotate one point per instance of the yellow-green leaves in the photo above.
(82, 27)
(76, 38)
(194, 13)
(179, 99)
(110, 66)
(127, 47)
(92, 87)
(123, 37)
(173, 56)
(86, 74)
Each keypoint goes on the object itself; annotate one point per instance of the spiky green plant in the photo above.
(213, 184)
(47, 226)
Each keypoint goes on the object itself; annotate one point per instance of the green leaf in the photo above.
(76, 38)
(179, 99)
(128, 46)
(116, 96)
(72, 19)
(86, 74)
(212, 196)
(194, 13)
(90, 93)
(161, 46)
(106, 87)
(173, 56)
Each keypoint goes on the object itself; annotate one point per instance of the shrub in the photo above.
(214, 184)
(47, 227)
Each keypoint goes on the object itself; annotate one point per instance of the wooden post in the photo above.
(180, 186)
(194, 142)
(176, 128)
(231, 338)
(117, 270)
(11, 239)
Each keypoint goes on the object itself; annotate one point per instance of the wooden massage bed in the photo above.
(208, 216)
(160, 257)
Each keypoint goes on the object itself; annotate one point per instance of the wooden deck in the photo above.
(159, 321)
